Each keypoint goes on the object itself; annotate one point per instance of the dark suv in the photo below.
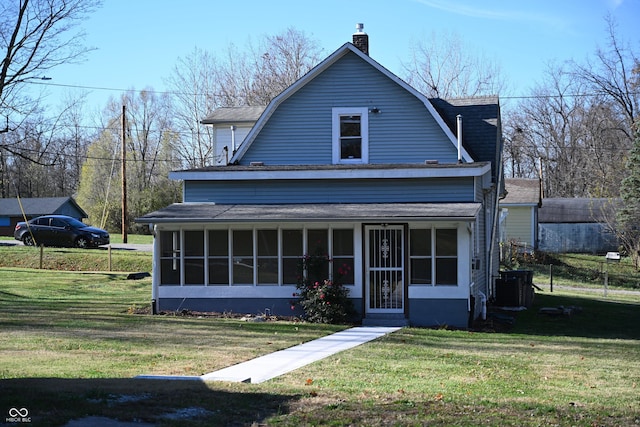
(59, 230)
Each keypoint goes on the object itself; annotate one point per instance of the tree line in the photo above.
(574, 130)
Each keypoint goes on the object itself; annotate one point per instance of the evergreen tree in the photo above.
(629, 214)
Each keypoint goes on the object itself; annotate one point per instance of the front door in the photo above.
(384, 287)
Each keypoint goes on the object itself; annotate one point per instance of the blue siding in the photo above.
(299, 131)
(439, 312)
(331, 191)
(576, 238)
(277, 306)
(422, 312)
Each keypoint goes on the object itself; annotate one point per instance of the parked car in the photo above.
(59, 230)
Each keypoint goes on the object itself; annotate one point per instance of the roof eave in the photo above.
(224, 174)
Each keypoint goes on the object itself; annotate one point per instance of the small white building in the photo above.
(232, 125)
(519, 213)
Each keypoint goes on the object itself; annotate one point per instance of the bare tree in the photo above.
(278, 61)
(98, 190)
(520, 159)
(149, 139)
(256, 76)
(194, 87)
(441, 67)
(579, 123)
(202, 82)
(36, 36)
(73, 139)
(611, 73)
(573, 135)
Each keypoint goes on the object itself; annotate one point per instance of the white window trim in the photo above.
(433, 257)
(363, 112)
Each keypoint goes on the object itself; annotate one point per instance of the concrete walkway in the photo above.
(275, 364)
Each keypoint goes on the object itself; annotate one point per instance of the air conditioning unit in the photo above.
(613, 256)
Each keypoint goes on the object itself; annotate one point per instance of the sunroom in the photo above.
(411, 260)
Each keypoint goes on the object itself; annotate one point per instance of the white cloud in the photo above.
(501, 14)
(614, 4)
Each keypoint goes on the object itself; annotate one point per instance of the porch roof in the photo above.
(211, 212)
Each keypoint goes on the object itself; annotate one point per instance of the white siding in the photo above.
(519, 225)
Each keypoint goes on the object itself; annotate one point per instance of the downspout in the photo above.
(494, 227)
(483, 303)
(155, 272)
(459, 122)
(233, 140)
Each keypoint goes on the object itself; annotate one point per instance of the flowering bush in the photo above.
(323, 300)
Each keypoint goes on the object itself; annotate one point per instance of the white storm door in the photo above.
(384, 266)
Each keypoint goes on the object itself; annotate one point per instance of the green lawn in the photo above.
(581, 270)
(71, 259)
(72, 341)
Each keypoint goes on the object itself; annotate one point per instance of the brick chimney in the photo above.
(361, 39)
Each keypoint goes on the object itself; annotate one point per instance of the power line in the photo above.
(165, 92)
(568, 95)
(112, 89)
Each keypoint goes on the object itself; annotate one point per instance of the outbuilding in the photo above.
(15, 210)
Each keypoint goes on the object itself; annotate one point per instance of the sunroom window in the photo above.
(427, 269)
(218, 257)
(249, 257)
(446, 257)
(194, 257)
(267, 257)
(292, 250)
(170, 257)
(242, 257)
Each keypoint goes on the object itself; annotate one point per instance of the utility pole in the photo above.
(124, 177)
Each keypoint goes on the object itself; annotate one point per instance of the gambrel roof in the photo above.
(324, 65)
(577, 210)
(480, 125)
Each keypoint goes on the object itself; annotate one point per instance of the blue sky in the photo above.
(139, 41)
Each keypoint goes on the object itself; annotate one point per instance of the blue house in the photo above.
(399, 190)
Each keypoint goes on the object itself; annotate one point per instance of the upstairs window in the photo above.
(350, 135)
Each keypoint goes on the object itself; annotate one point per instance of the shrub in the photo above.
(322, 300)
